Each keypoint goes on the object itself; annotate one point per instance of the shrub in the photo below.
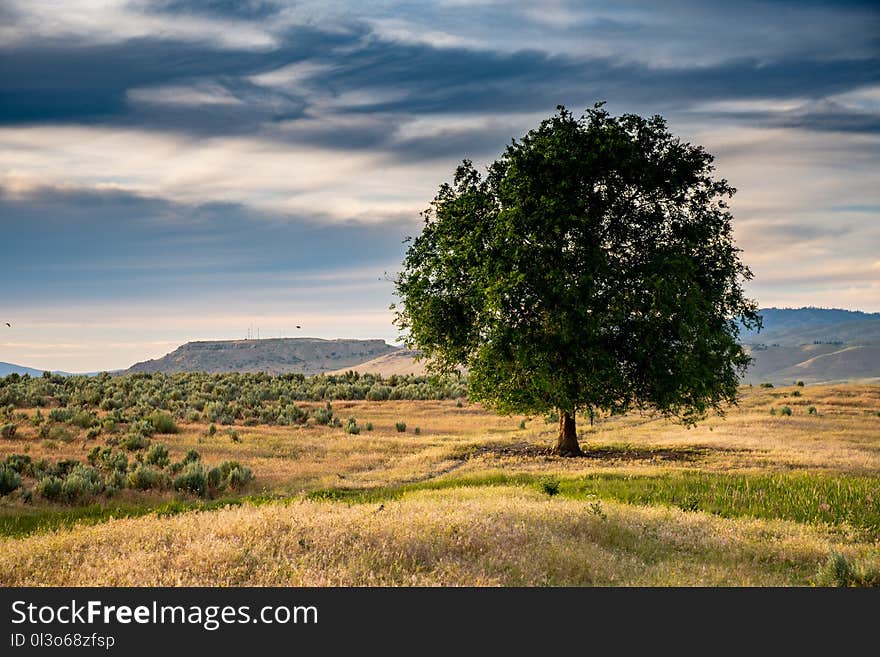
(192, 456)
(145, 477)
(9, 479)
(48, 487)
(840, 571)
(59, 433)
(378, 393)
(84, 419)
(215, 479)
(158, 455)
(82, 483)
(785, 410)
(93, 433)
(550, 485)
(417, 431)
(522, 424)
(811, 410)
(767, 385)
(233, 435)
(796, 393)
(61, 414)
(143, 427)
(235, 475)
(323, 415)
(135, 441)
(212, 429)
(21, 463)
(162, 422)
(368, 426)
(193, 479)
(38, 418)
(552, 418)
(799, 384)
(8, 431)
(400, 426)
(351, 426)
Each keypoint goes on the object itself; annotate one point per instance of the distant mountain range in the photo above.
(11, 368)
(814, 345)
(796, 344)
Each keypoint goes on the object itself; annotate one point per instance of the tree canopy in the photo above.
(592, 268)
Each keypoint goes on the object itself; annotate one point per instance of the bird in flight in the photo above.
(299, 327)
(10, 325)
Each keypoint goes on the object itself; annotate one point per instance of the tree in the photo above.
(593, 269)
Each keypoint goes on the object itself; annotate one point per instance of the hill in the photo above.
(814, 345)
(11, 368)
(400, 362)
(274, 356)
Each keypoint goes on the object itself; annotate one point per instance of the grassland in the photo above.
(752, 498)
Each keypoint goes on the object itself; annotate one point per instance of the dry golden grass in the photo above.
(469, 536)
(497, 536)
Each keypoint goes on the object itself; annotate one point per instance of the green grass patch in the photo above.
(24, 522)
(801, 497)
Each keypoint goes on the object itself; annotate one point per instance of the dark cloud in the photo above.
(65, 82)
(81, 244)
(243, 9)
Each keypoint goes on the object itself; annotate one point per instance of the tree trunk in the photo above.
(567, 441)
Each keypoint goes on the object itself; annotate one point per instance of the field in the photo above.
(461, 496)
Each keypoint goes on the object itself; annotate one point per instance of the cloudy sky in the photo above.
(177, 170)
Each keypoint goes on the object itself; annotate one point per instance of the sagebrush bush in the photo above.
(58, 433)
(351, 426)
(135, 441)
(235, 475)
(10, 479)
(215, 479)
(93, 433)
(158, 455)
(49, 487)
(8, 431)
(84, 419)
(82, 483)
(145, 477)
(61, 414)
(193, 479)
(811, 410)
(837, 570)
(21, 463)
(400, 426)
(785, 410)
(162, 422)
(368, 426)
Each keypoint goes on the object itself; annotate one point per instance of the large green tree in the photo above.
(592, 269)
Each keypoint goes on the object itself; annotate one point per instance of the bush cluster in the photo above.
(163, 400)
(108, 470)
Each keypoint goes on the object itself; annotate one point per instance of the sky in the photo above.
(177, 170)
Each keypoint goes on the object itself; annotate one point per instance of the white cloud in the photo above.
(204, 94)
(114, 21)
